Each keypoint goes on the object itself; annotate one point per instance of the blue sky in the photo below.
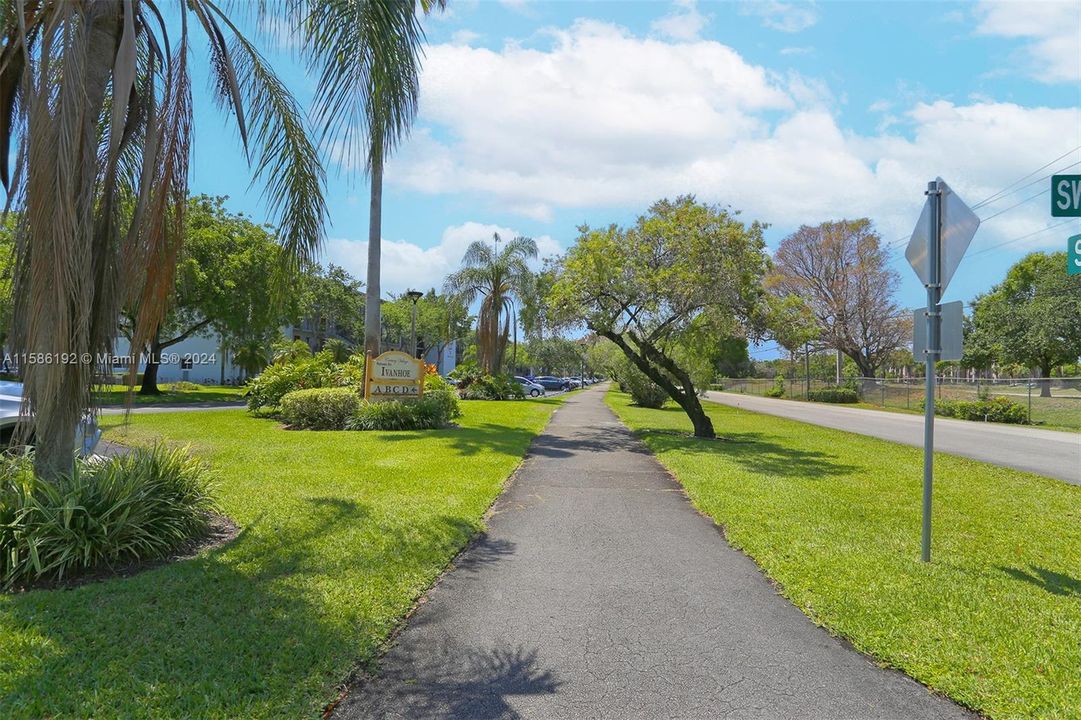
(537, 117)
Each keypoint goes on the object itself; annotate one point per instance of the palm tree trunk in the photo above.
(375, 234)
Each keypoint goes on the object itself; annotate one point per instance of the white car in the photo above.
(87, 432)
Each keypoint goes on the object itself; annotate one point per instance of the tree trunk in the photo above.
(59, 398)
(685, 398)
(1045, 381)
(150, 372)
(375, 234)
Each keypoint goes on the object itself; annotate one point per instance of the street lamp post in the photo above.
(414, 295)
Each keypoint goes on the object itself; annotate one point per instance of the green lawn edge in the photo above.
(341, 534)
(831, 517)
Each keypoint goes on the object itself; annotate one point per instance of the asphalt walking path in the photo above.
(1045, 452)
(598, 592)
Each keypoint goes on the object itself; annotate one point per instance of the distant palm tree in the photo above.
(96, 97)
(250, 356)
(339, 349)
(497, 277)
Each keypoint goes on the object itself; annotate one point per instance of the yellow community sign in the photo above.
(394, 374)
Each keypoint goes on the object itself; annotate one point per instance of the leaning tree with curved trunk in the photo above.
(666, 290)
(497, 276)
(96, 101)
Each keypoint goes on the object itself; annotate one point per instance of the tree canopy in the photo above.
(687, 274)
(840, 271)
(221, 285)
(1032, 318)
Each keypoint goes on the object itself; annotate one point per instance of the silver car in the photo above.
(530, 388)
(87, 432)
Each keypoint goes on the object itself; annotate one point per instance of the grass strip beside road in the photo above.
(834, 517)
(341, 532)
(112, 395)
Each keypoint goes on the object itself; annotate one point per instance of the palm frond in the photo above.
(285, 158)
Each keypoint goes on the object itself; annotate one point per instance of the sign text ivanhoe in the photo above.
(394, 374)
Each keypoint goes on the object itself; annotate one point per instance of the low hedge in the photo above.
(320, 408)
(342, 408)
(431, 411)
(994, 409)
(834, 395)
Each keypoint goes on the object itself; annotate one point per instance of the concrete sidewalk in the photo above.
(598, 592)
(1045, 452)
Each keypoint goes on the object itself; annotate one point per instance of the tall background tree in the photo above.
(497, 276)
(684, 277)
(333, 300)
(840, 271)
(95, 98)
(1032, 318)
(221, 285)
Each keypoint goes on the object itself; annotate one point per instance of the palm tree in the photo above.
(95, 96)
(339, 349)
(497, 277)
(392, 81)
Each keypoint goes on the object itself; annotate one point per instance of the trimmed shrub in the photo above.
(492, 387)
(425, 413)
(443, 396)
(834, 395)
(777, 390)
(326, 408)
(277, 380)
(139, 506)
(995, 409)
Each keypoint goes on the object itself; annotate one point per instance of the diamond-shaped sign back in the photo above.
(959, 225)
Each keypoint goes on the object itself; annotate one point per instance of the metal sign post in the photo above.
(942, 235)
(934, 324)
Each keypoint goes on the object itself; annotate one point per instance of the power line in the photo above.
(1026, 177)
(1001, 195)
(1009, 190)
(1020, 237)
(1016, 205)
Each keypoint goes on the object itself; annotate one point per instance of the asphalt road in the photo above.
(172, 407)
(1045, 452)
(598, 592)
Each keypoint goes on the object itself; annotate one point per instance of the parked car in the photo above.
(572, 383)
(552, 383)
(87, 433)
(532, 389)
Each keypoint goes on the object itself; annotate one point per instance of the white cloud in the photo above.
(797, 50)
(464, 37)
(789, 17)
(606, 119)
(406, 265)
(683, 23)
(1053, 30)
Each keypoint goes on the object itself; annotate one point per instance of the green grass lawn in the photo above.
(994, 621)
(116, 395)
(341, 532)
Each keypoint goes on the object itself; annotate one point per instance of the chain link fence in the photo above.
(1054, 402)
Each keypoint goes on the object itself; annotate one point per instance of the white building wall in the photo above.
(197, 359)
